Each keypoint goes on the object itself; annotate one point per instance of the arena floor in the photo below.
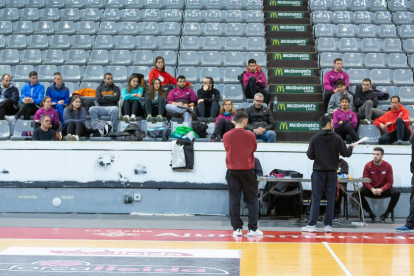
(95, 244)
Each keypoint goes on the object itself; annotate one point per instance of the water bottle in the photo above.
(275, 103)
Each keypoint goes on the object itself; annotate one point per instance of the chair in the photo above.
(188, 58)
(119, 4)
(338, 5)
(392, 45)
(233, 16)
(378, 5)
(190, 73)
(350, 60)
(170, 58)
(104, 42)
(125, 42)
(111, 15)
(192, 28)
(375, 60)
(234, 44)
(192, 16)
(175, 4)
(233, 92)
(407, 97)
(403, 77)
(45, 27)
(39, 4)
(90, 14)
(210, 58)
(380, 76)
(402, 17)
(212, 72)
(10, 14)
(170, 28)
(86, 28)
(107, 28)
(32, 57)
(342, 17)
(356, 76)
(234, 59)
(2, 42)
(146, 43)
(60, 42)
(152, 16)
(93, 73)
(231, 74)
(194, 4)
(50, 14)
(318, 5)
(76, 57)
(98, 57)
(6, 27)
(234, 29)
(347, 45)
(189, 43)
(367, 30)
(83, 42)
(54, 57)
(254, 16)
(74, 4)
(387, 30)
(121, 57)
(149, 28)
(135, 4)
(173, 15)
(154, 4)
(397, 5)
(71, 14)
(214, 5)
(214, 16)
(31, 14)
(168, 43)
(406, 31)
(213, 29)
(396, 60)
(38, 42)
(17, 42)
(370, 45)
(323, 30)
(9, 56)
(409, 46)
(131, 15)
(144, 57)
(362, 17)
(215, 43)
(119, 73)
(260, 58)
(89, 85)
(46, 72)
(66, 28)
(321, 17)
(255, 29)
(22, 125)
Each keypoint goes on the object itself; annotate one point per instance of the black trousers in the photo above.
(410, 218)
(212, 109)
(150, 108)
(133, 107)
(77, 128)
(246, 182)
(391, 192)
(7, 108)
(326, 98)
(347, 133)
(251, 89)
(27, 110)
(323, 181)
(337, 206)
(400, 133)
(222, 127)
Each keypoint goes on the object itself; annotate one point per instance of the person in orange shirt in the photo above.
(168, 82)
(396, 122)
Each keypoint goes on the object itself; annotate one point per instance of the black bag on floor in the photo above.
(200, 129)
(283, 186)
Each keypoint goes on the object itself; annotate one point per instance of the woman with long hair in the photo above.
(156, 97)
(168, 82)
(131, 96)
(224, 121)
(47, 109)
(74, 117)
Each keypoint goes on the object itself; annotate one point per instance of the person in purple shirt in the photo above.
(181, 100)
(254, 81)
(224, 122)
(330, 79)
(345, 122)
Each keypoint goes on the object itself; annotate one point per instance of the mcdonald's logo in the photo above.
(273, 15)
(275, 28)
(278, 72)
(276, 42)
(278, 56)
(280, 88)
(283, 126)
(273, 3)
(281, 106)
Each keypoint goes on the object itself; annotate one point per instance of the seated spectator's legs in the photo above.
(7, 108)
(367, 111)
(59, 109)
(392, 192)
(136, 108)
(250, 89)
(347, 133)
(215, 108)
(410, 219)
(376, 113)
(222, 127)
(81, 129)
(27, 110)
(161, 105)
(402, 133)
(266, 94)
(176, 109)
(70, 128)
(201, 109)
(168, 87)
(148, 104)
(326, 98)
(112, 111)
(269, 136)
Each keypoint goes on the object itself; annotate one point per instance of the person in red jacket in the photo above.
(380, 173)
(396, 122)
(168, 82)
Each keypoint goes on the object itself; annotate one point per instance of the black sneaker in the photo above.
(373, 217)
(384, 216)
(212, 120)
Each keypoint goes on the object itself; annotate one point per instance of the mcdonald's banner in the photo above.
(286, 15)
(284, 2)
(291, 56)
(297, 107)
(286, 72)
(294, 42)
(298, 126)
(294, 88)
(288, 28)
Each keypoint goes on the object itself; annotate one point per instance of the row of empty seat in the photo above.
(397, 77)
(361, 5)
(363, 30)
(365, 45)
(362, 17)
(220, 59)
(136, 4)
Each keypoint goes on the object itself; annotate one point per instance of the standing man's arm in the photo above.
(311, 150)
(343, 150)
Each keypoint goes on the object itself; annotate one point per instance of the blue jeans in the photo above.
(269, 136)
(59, 109)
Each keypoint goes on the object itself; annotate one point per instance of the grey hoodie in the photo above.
(335, 101)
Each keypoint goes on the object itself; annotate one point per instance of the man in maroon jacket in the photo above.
(240, 146)
(380, 173)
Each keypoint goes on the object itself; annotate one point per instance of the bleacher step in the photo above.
(294, 136)
(293, 63)
(303, 21)
(311, 97)
(290, 48)
(287, 116)
(295, 89)
(296, 80)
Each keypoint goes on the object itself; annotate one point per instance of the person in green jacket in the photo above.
(132, 99)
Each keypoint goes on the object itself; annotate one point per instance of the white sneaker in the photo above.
(75, 138)
(11, 119)
(255, 233)
(133, 118)
(69, 137)
(309, 228)
(366, 122)
(238, 232)
(328, 229)
(125, 118)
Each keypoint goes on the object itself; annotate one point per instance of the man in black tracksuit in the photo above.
(208, 99)
(325, 148)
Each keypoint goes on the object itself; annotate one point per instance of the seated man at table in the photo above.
(381, 175)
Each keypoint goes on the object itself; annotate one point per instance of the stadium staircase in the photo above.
(293, 69)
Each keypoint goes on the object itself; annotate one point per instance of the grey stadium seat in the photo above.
(50, 14)
(212, 72)
(214, 29)
(407, 97)
(189, 72)
(31, 56)
(35, 4)
(378, 5)
(403, 77)
(6, 27)
(397, 61)
(234, 59)
(121, 57)
(10, 14)
(31, 14)
(86, 28)
(93, 73)
(382, 17)
(38, 42)
(363, 17)
(119, 73)
(170, 57)
(6, 69)
(211, 58)
(125, 42)
(356, 76)
(144, 57)
(104, 42)
(16, 4)
(348, 45)
(83, 42)
(255, 29)
(22, 72)
(350, 60)
(370, 131)
(370, 45)
(98, 57)
(188, 58)
(71, 14)
(46, 72)
(45, 27)
(60, 42)
(342, 17)
(107, 28)
(76, 57)
(397, 5)
(17, 42)
(402, 17)
(409, 46)
(54, 57)
(234, 29)
(111, 15)
(9, 56)
(22, 125)
(90, 14)
(74, 4)
(326, 44)
(65, 27)
(380, 76)
(127, 28)
(233, 92)
(358, 5)
(375, 60)
(231, 74)
(392, 45)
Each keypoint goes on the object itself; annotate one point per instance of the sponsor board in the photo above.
(288, 28)
(286, 72)
(289, 41)
(291, 56)
(284, 2)
(297, 107)
(286, 15)
(298, 126)
(287, 88)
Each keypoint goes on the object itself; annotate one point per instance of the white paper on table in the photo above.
(361, 141)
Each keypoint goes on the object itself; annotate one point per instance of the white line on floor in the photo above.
(337, 259)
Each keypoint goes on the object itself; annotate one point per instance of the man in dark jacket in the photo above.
(107, 96)
(261, 120)
(325, 148)
(366, 101)
(208, 99)
(9, 97)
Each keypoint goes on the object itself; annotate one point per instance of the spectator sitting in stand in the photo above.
(366, 103)
(9, 97)
(75, 118)
(181, 100)
(49, 111)
(330, 79)
(345, 122)
(31, 96)
(224, 121)
(155, 98)
(59, 95)
(254, 80)
(158, 71)
(132, 94)
(208, 98)
(335, 101)
(45, 131)
(396, 122)
(261, 120)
